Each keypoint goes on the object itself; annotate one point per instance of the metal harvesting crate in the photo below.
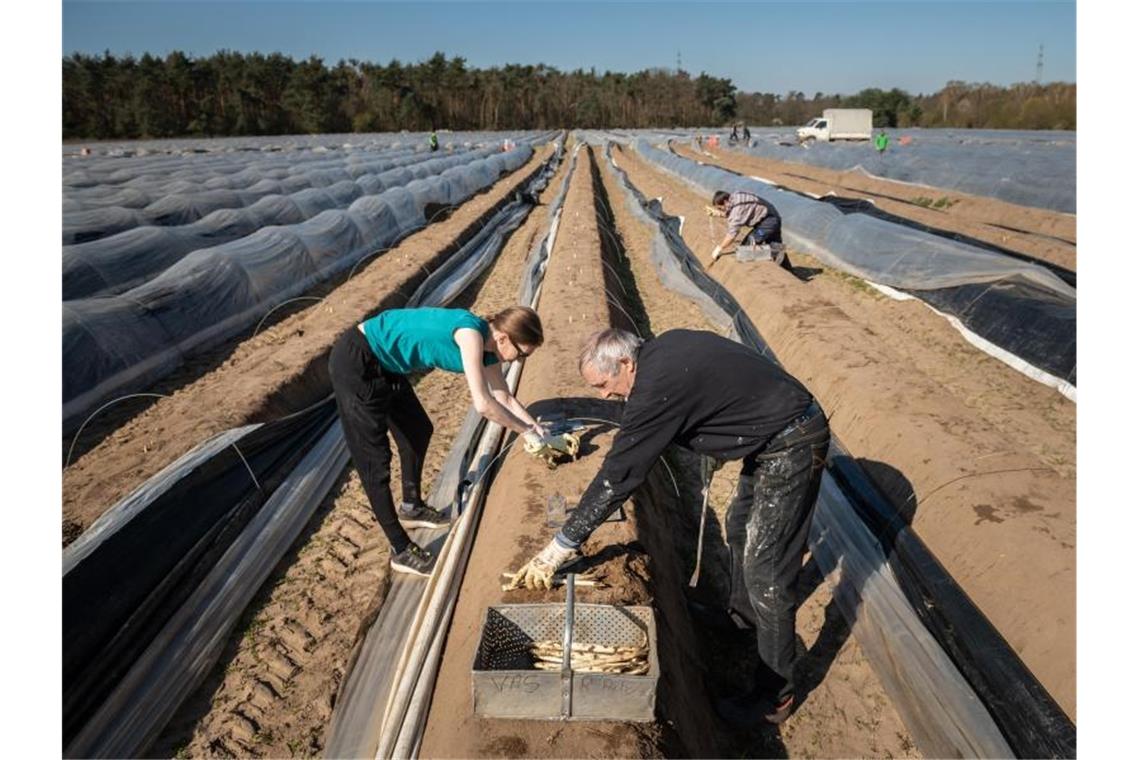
(506, 684)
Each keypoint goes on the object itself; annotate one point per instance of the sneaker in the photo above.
(421, 516)
(414, 561)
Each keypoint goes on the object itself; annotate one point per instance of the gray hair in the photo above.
(606, 348)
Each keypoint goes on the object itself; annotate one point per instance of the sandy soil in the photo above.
(981, 458)
(272, 692)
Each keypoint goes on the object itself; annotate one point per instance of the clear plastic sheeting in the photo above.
(1035, 321)
(181, 198)
(117, 344)
(116, 263)
(129, 573)
(1029, 168)
(862, 245)
(96, 165)
(185, 649)
(453, 277)
(109, 523)
(135, 185)
(941, 711)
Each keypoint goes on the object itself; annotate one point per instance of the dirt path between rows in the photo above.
(273, 690)
(1042, 234)
(280, 370)
(979, 457)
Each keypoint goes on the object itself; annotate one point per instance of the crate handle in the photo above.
(567, 647)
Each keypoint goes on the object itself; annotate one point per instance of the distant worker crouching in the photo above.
(744, 209)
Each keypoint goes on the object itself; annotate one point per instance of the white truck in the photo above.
(838, 124)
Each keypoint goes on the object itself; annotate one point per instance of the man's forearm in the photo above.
(596, 504)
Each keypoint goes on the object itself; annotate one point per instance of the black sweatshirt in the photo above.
(706, 393)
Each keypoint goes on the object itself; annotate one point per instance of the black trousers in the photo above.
(371, 403)
(767, 530)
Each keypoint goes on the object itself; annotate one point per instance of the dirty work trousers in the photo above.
(769, 231)
(372, 402)
(767, 530)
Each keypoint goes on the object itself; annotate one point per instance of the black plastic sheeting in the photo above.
(1028, 717)
(1044, 333)
(122, 593)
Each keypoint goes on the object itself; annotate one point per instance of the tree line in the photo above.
(230, 93)
(958, 104)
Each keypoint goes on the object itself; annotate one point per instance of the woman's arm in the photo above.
(470, 342)
(503, 395)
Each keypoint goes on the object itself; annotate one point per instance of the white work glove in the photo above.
(532, 441)
(716, 254)
(548, 447)
(539, 572)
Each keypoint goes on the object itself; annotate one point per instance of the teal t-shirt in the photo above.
(417, 340)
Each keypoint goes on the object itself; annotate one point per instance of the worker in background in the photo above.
(734, 137)
(433, 141)
(369, 367)
(745, 134)
(744, 209)
(718, 398)
(881, 141)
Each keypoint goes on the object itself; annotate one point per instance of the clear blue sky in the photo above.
(917, 45)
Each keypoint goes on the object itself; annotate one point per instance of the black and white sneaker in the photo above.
(421, 516)
(414, 561)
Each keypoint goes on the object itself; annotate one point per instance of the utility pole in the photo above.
(678, 62)
(1040, 62)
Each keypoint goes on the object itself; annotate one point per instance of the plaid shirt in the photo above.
(746, 210)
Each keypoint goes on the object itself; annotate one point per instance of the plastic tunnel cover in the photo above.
(124, 589)
(211, 293)
(1031, 315)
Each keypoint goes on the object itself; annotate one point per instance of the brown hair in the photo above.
(521, 324)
